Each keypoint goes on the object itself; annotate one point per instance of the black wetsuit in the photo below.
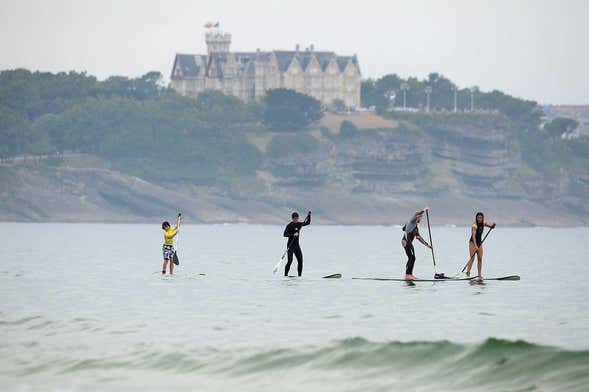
(407, 243)
(293, 244)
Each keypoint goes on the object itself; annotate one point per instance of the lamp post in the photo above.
(428, 92)
(455, 89)
(404, 87)
(391, 95)
(472, 91)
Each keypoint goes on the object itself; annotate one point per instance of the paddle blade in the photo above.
(511, 277)
(333, 276)
(175, 259)
(276, 267)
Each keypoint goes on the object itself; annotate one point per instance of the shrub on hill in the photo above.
(287, 110)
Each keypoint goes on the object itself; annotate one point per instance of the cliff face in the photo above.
(367, 176)
(458, 163)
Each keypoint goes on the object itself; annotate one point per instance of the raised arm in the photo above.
(177, 227)
(307, 220)
(411, 223)
(418, 214)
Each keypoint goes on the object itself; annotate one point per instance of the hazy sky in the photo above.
(535, 49)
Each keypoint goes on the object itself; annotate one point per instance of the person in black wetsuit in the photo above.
(293, 232)
(475, 243)
(411, 232)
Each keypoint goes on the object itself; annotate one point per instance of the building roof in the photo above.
(284, 58)
(324, 58)
(342, 62)
(190, 65)
(304, 59)
(187, 64)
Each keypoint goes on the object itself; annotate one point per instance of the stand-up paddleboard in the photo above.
(416, 280)
(332, 276)
(178, 275)
(474, 279)
(510, 277)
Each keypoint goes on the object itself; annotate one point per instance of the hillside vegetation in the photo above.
(75, 148)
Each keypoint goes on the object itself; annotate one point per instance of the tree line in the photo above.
(145, 128)
(140, 125)
(390, 90)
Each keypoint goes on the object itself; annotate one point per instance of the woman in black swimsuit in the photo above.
(475, 243)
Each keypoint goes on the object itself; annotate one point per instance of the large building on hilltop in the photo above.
(248, 75)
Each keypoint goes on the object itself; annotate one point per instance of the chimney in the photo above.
(297, 48)
(312, 47)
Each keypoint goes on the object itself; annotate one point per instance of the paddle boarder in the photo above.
(168, 248)
(411, 231)
(475, 243)
(292, 231)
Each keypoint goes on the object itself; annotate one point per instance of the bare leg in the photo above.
(471, 260)
(480, 262)
(172, 265)
(164, 267)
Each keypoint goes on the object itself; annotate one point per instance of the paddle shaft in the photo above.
(472, 255)
(177, 232)
(431, 243)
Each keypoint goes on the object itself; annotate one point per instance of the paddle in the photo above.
(436, 275)
(472, 255)
(277, 266)
(175, 258)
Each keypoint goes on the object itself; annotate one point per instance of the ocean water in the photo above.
(83, 307)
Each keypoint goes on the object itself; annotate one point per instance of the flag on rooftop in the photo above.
(210, 25)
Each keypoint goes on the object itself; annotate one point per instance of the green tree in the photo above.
(560, 125)
(377, 93)
(18, 137)
(148, 86)
(347, 129)
(36, 93)
(442, 96)
(288, 110)
(367, 93)
(220, 110)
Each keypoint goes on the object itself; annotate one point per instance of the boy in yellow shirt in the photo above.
(168, 247)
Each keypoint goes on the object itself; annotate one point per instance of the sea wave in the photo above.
(350, 364)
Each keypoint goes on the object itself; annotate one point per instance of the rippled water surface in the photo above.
(84, 307)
